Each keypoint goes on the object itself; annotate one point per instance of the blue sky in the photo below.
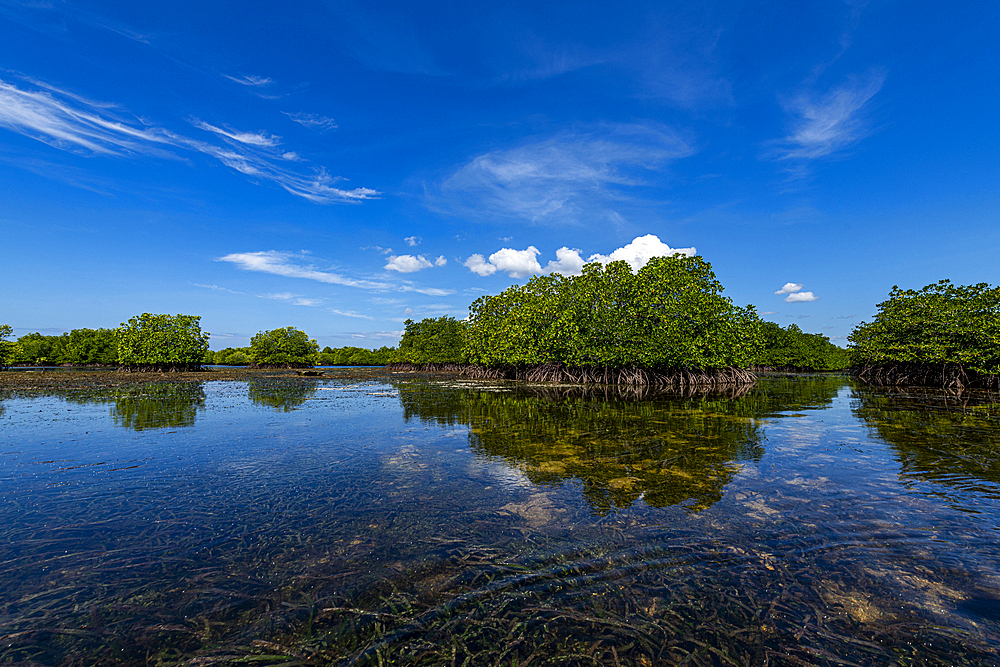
(343, 166)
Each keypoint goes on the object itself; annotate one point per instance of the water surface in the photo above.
(803, 522)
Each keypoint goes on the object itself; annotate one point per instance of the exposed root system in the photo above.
(945, 376)
(608, 375)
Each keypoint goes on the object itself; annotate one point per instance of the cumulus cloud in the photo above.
(801, 296)
(825, 124)
(440, 261)
(640, 251)
(563, 178)
(569, 261)
(413, 241)
(478, 265)
(407, 263)
(789, 288)
(73, 123)
(517, 263)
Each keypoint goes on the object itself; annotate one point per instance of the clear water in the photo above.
(313, 522)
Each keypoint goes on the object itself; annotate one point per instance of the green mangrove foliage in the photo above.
(669, 315)
(942, 335)
(287, 347)
(9, 350)
(79, 347)
(792, 349)
(357, 356)
(150, 342)
(433, 341)
(229, 356)
(666, 451)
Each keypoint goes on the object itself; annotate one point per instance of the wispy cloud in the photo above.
(350, 313)
(73, 123)
(825, 124)
(298, 265)
(413, 241)
(290, 265)
(313, 121)
(250, 80)
(563, 178)
(250, 138)
(216, 288)
(294, 299)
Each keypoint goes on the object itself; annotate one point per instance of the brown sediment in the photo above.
(945, 376)
(60, 379)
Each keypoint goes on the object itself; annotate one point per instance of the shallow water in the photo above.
(804, 522)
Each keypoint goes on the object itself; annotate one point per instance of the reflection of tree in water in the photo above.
(157, 405)
(787, 393)
(283, 394)
(950, 438)
(664, 450)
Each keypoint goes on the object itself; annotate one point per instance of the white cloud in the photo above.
(789, 288)
(286, 264)
(250, 80)
(826, 124)
(440, 261)
(523, 263)
(568, 262)
(295, 299)
(72, 123)
(413, 240)
(478, 265)
(407, 263)
(216, 288)
(565, 178)
(313, 121)
(801, 296)
(250, 138)
(517, 263)
(640, 251)
(350, 313)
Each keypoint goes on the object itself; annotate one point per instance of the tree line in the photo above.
(670, 314)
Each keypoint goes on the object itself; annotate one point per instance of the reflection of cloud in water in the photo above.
(501, 474)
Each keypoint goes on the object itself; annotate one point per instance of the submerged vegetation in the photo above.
(942, 335)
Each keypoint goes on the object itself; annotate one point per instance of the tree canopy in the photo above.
(285, 347)
(9, 350)
(671, 313)
(792, 348)
(161, 342)
(433, 341)
(939, 324)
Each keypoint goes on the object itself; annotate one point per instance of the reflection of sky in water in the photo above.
(800, 500)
